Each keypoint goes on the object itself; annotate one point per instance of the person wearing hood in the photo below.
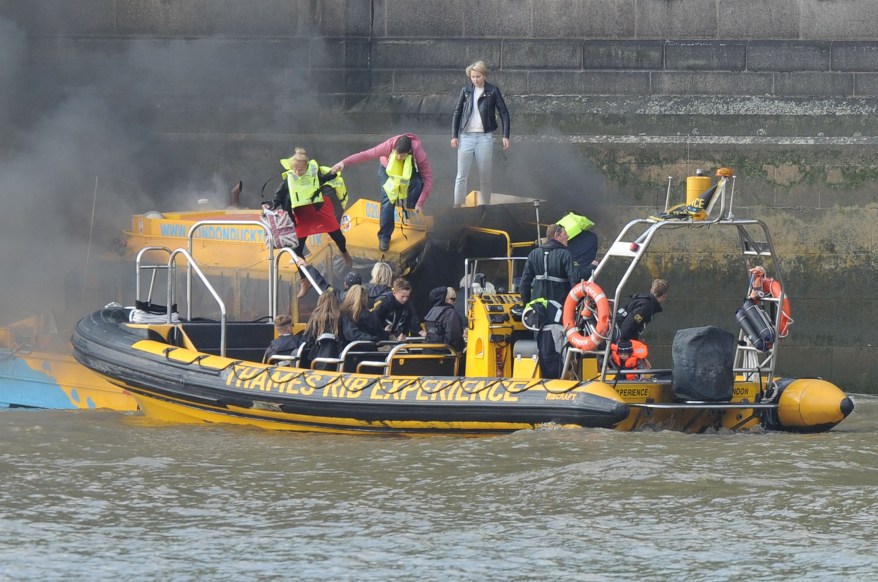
(444, 325)
(549, 274)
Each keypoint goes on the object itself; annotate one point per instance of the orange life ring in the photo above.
(574, 336)
(773, 288)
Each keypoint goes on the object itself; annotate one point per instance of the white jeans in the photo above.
(481, 147)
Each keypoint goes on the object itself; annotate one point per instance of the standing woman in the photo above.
(472, 130)
(305, 193)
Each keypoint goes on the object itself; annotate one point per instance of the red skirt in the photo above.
(310, 221)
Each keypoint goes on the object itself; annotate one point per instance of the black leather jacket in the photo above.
(490, 103)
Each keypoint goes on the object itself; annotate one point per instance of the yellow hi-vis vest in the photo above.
(305, 189)
(574, 224)
(399, 173)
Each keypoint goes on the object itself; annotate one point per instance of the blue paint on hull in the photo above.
(20, 385)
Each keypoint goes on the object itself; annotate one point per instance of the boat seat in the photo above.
(244, 340)
(291, 360)
(416, 359)
(359, 351)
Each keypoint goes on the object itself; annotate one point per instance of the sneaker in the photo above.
(383, 244)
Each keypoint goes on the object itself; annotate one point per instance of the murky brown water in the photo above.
(103, 495)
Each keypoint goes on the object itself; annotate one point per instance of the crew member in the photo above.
(582, 243)
(444, 324)
(638, 312)
(405, 176)
(548, 276)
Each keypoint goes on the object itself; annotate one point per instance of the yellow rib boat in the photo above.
(185, 369)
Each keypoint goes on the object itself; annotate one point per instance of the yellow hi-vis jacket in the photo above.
(399, 173)
(574, 224)
(305, 189)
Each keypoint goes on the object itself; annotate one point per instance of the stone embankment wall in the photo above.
(608, 100)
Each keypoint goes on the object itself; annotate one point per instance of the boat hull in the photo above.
(46, 379)
(179, 384)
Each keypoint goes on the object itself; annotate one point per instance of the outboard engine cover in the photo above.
(703, 364)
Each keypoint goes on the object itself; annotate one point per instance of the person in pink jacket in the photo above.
(405, 177)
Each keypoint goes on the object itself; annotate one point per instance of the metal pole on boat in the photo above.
(537, 210)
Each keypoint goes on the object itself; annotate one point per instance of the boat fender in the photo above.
(600, 312)
(756, 325)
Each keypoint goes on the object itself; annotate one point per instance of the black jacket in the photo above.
(376, 291)
(444, 325)
(490, 103)
(637, 313)
(561, 272)
(283, 345)
(400, 317)
(366, 328)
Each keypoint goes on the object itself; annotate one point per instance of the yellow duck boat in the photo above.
(192, 370)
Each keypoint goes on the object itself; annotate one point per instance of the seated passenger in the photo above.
(285, 344)
(379, 285)
(322, 332)
(444, 324)
(357, 322)
(351, 279)
(396, 313)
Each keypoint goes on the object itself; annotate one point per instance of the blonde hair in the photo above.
(659, 288)
(382, 274)
(355, 302)
(299, 156)
(479, 67)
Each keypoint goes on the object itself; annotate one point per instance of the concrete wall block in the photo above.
(347, 53)
(342, 17)
(60, 17)
(496, 19)
(746, 19)
(692, 19)
(588, 83)
(865, 84)
(710, 83)
(788, 56)
(623, 54)
(834, 19)
(547, 54)
(427, 82)
(705, 56)
(511, 83)
(419, 19)
(214, 17)
(855, 56)
(584, 19)
(382, 82)
(814, 84)
(434, 54)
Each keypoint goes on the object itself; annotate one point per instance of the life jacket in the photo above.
(541, 312)
(306, 189)
(436, 325)
(575, 224)
(399, 173)
(630, 359)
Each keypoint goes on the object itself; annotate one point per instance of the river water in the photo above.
(103, 495)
